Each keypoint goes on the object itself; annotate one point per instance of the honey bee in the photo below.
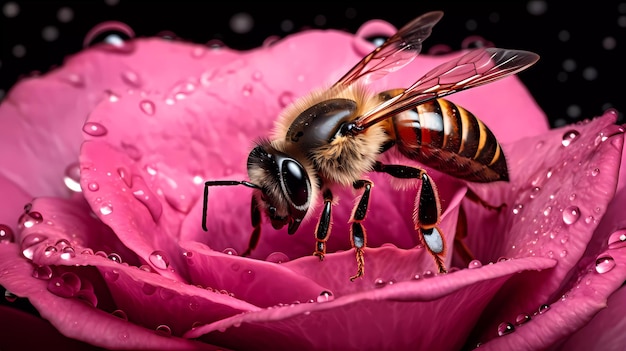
(333, 137)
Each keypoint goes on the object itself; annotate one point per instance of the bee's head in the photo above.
(284, 187)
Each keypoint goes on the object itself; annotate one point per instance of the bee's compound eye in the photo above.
(295, 182)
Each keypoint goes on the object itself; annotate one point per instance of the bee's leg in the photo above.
(427, 215)
(322, 231)
(358, 237)
(255, 217)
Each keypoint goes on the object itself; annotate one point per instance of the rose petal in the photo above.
(358, 320)
(574, 310)
(10, 210)
(78, 320)
(125, 202)
(551, 221)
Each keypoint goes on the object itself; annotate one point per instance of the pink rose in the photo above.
(110, 153)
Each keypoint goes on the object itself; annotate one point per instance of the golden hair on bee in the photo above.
(344, 159)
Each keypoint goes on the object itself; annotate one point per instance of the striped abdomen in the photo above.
(444, 136)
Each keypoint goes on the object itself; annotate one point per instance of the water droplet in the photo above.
(428, 274)
(257, 76)
(72, 177)
(285, 99)
(106, 209)
(517, 208)
(595, 172)
(29, 242)
(534, 192)
(114, 257)
(163, 330)
(65, 285)
(68, 253)
(563, 253)
(247, 90)
(148, 289)
(547, 210)
(505, 328)
(379, 283)
(43, 272)
(148, 199)
(277, 257)
(474, 264)
(616, 240)
(75, 80)
(94, 129)
(198, 52)
(113, 35)
(131, 78)
(521, 319)
(325, 296)
(93, 186)
(247, 276)
(159, 260)
(6, 234)
(571, 215)
(230, 251)
(543, 308)
(147, 107)
(604, 263)
(9, 296)
(120, 314)
(569, 137)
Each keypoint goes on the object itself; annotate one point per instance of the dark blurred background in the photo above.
(582, 46)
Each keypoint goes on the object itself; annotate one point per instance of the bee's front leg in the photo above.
(427, 215)
(322, 231)
(255, 218)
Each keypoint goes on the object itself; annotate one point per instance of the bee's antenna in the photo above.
(219, 183)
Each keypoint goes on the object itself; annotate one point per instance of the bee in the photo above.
(333, 137)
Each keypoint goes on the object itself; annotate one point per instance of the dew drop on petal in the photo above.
(106, 209)
(120, 314)
(159, 260)
(230, 251)
(147, 107)
(569, 137)
(595, 172)
(150, 201)
(65, 285)
(616, 240)
(112, 276)
(325, 296)
(163, 330)
(277, 257)
(604, 263)
(148, 289)
(543, 308)
(9, 296)
(571, 214)
(114, 257)
(521, 319)
(285, 98)
(94, 129)
(43, 272)
(93, 186)
(474, 264)
(505, 328)
(29, 242)
(72, 177)
(517, 208)
(6, 234)
(379, 283)
(131, 78)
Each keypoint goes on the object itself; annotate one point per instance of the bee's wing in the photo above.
(477, 67)
(395, 53)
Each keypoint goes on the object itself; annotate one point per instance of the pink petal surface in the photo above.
(357, 321)
(552, 209)
(576, 308)
(76, 319)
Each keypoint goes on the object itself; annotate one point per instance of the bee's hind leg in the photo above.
(427, 214)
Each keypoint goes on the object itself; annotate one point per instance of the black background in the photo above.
(582, 46)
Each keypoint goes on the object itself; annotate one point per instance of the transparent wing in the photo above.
(395, 53)
(477, 67)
